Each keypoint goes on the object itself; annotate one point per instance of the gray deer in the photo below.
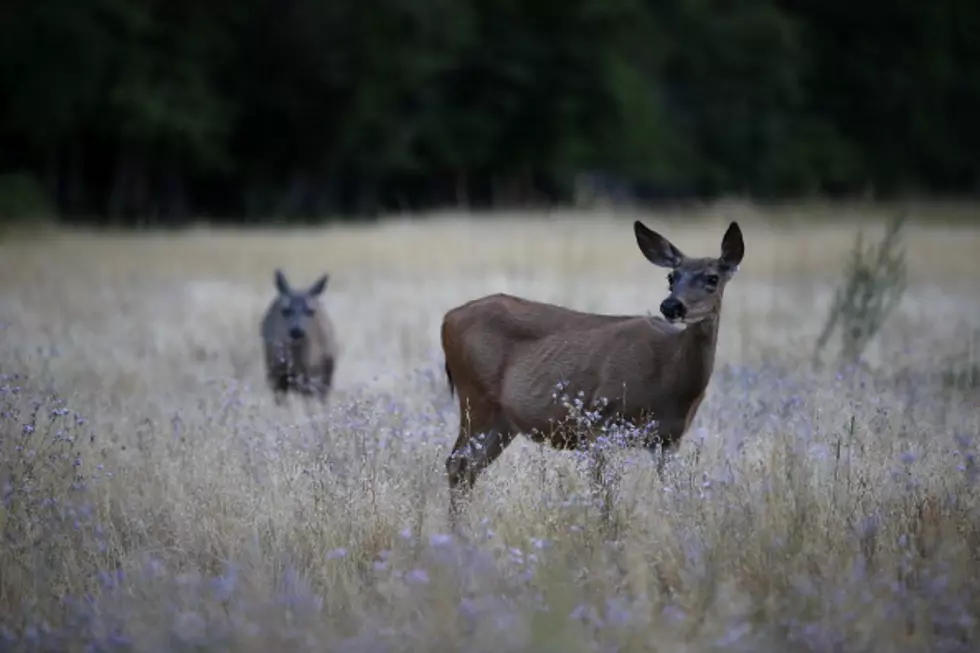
(299, 342)
(504, 356)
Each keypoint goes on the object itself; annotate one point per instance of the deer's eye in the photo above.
(671, 278)
(308, 310)
(711, 280)
(287, 311)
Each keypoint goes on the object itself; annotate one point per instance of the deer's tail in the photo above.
(449, 379)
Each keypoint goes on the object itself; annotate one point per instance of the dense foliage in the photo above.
(159, 110)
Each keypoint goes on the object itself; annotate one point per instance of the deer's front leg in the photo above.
(666, 441)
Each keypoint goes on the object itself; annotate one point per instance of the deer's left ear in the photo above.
(732, 249)
(319, 285)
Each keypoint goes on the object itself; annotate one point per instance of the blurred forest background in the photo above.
(140, 111)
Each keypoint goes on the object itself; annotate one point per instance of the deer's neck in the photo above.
(696, 352)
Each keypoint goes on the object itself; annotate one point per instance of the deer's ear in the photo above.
(732, 248)
(318, 286)
(656, 248)
(281, 284)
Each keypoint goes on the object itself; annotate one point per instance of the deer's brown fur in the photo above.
(505, 355)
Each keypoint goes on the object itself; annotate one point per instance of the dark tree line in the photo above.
(153, 110)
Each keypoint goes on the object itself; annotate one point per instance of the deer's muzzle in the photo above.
(673, 308)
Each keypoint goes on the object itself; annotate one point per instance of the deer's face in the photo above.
(696, 285)
(297, 309)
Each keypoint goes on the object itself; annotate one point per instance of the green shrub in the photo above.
(873, 285)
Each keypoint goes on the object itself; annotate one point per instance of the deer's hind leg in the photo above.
(484, 433)
(601, 483)
(600, 448)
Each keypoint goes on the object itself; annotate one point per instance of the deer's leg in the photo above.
(320, 393)
(279, 385)
(479, 444)
(669, 440)
(600, 449)
(309, 397)
(326, 380)
(664, 454)
(471, 419)
(598, 466)
(600, 484)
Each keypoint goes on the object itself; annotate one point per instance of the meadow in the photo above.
(155, 498)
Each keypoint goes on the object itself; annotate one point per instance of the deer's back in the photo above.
(522, 319)
(487, 337)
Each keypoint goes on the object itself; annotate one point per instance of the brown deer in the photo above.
(505, 356)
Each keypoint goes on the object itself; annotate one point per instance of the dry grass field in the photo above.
(155, 498)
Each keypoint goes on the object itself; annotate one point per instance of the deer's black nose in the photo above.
(673, 308)
(295, 333)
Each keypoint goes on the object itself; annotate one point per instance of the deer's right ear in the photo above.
(281, 284)
(656, 248)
